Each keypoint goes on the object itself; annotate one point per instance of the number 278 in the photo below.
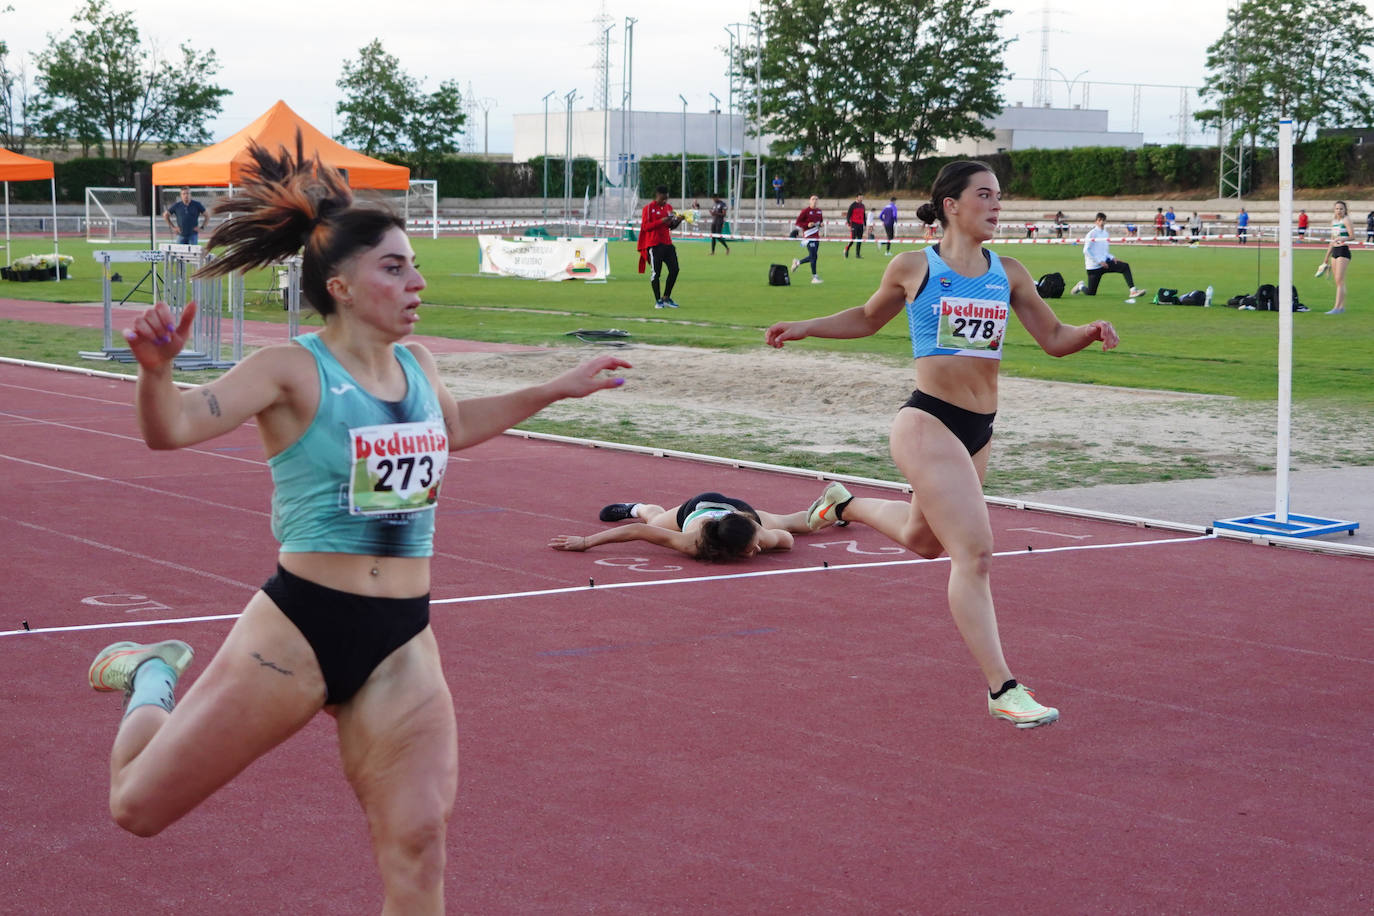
(972, 328)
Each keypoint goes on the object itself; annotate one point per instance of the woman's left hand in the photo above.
(1103, 331)
(568, 542)
(587, 378)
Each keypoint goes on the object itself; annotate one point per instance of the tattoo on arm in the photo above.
(275, 667)
(212, 402)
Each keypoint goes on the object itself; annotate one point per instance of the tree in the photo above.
(101, 83)
(1302, 59)
(14, 100)
(385, 111)
(864, 76)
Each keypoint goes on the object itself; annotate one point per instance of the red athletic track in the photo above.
(814, 741)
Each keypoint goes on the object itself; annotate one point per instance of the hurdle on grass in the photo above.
(1281, 521)
(173, 267)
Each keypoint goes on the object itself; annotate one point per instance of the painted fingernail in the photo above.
(162, 340)
(171, 329)
(618, 382)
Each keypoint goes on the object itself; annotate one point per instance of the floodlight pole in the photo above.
(552, 92)
(683, 196)
(487, 104)
(567, 158)
(715, 139)
(758, 119)
(1068, 84)
(730, 125)
(627, 134)
(603, 173)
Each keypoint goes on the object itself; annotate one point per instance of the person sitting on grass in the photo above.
(1098, 260)
(710, 527)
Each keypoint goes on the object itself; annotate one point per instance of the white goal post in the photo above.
(112, 213)
(421, 207)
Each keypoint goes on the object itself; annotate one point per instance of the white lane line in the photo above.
(468, 599)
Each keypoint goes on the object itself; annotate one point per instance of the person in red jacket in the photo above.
(810, 222)
(656, 245)
(857, 218)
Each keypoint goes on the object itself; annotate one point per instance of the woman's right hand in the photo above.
(784, 331)
(154, 340)
(568, 542)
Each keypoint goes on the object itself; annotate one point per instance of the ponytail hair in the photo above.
(725, 538)
(289, 203)
(951, 181)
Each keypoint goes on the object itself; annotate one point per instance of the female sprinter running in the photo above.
(710, 526)
(357, 427)
(958, 297)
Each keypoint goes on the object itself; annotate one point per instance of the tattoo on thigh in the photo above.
(275, 667)
(212, 402)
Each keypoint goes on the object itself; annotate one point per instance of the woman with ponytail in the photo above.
(357, 426)
(958, 297)
(710, 526)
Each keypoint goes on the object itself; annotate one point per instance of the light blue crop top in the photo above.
(364, 477)
(954, 315)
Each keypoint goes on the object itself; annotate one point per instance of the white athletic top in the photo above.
(1095, 249)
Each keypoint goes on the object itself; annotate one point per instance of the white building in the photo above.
(1022, 127)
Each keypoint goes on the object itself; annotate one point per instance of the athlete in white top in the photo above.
(1098, 260)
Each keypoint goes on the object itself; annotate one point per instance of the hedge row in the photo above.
(73, 177)
(1042, 174)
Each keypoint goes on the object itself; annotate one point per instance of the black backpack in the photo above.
(1196, 297)
(1166, 296)
(778, 275)
(1267, 298)
(1050, 286)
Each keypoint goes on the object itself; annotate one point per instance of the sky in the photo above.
(510, 55)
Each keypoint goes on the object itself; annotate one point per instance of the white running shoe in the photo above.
(1136, 292)
(795, 263)
(822, 511)
(1321, 269)
(114, 667)
(1078, 288)
(817, 280)
(1018, 706)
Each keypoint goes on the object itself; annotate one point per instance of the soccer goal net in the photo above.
(117, 215)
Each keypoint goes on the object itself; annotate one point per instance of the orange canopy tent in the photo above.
(224, 163)
(15, 167)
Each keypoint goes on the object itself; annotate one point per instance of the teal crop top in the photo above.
(364, 477)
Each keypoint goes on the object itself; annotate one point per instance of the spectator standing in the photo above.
(186, 217)
(1369, 228)
(1195, 228)
(810, 223)
(718, 210)
(857, 218)
(1242, 225)
(1098, 260)
(1159, 222)
(777, 188)
(1302, 225)
(1170, 224)
(656, 245)
(888, 217)
(1337, 258)
(1059, 224)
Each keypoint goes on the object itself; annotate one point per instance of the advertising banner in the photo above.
(543, 259)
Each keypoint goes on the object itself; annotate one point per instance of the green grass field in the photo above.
(727, 302)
